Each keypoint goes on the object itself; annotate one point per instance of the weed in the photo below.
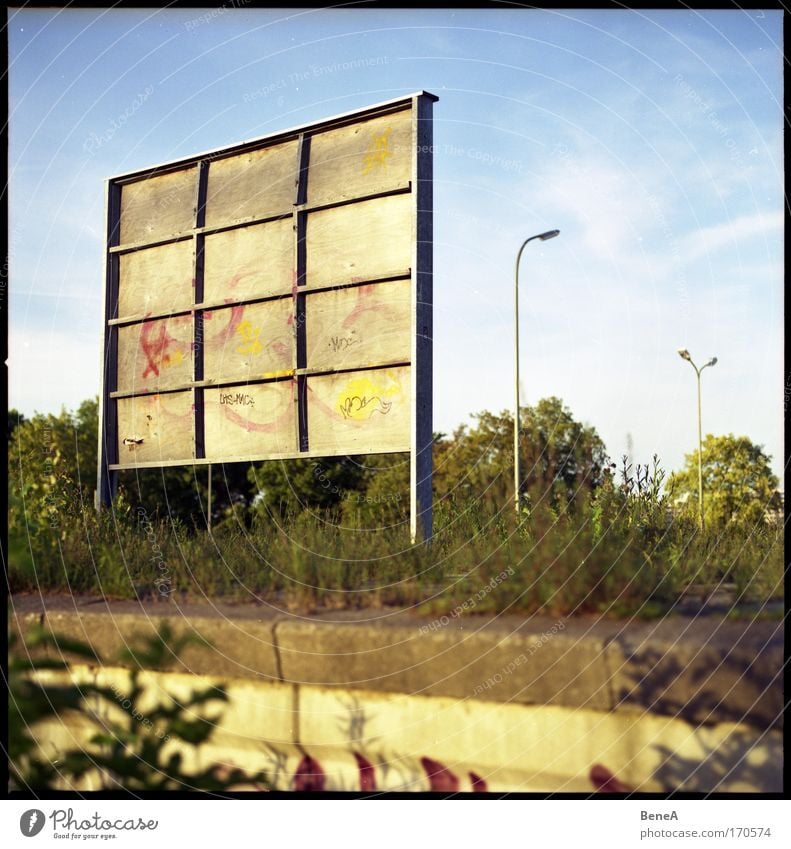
(617, 549)
(129, 747)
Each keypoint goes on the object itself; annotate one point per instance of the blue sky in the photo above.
(652, 140)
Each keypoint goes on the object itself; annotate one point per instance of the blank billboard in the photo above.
(273, 299)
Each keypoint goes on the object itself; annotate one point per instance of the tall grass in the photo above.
(618, 552)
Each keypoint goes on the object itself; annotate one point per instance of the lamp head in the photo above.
(550, 234)
(684, 354)
(712, 362)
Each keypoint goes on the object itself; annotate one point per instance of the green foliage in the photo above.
(564, 456)
(15, 418)
(333, 533)
(560, 457)
(51, 470)
(382, 501)
(291, 486)
(738, 483)
(180, 493)
(130, 746)
(560, 449)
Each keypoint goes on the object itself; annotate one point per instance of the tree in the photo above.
(181, 493)
(383, 495)
(559, 450)
(52, 476)
(15, 418)
(738, 483)
(52, 467)
(559, 455)
(291, 486)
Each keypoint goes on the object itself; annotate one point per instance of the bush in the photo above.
(130, 752)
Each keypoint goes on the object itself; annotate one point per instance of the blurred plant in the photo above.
(131, 752)
(644, 502)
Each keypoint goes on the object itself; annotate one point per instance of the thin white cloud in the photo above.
(736, 232)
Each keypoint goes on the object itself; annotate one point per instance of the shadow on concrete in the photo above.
(733, 766)
(701, 684)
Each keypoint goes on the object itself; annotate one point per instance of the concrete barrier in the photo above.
(373, 701)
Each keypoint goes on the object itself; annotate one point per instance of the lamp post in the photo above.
(550, 234)
(685, 355)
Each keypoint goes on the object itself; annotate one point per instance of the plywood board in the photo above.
(256, 183)
(249, 342)
(292, 290)
(159, 206)
(361, 159)
(359, 326)
(250, 421)
(155, 355)
(249, 262)
(156, 280)
(360, 241)
(360, 412)
(154, 428)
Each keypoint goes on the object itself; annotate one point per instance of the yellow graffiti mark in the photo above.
(267, 375)
(172, 359)
(251, 344)
(361, 398)
(378, 152)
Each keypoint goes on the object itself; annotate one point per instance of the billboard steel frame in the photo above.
(420, 274)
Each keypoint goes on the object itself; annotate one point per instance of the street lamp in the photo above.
(685, 355)
(550, 234)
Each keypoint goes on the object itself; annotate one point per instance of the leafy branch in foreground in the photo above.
(133, 752)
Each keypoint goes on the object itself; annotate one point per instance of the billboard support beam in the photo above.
(107, 479)
(208, 501)
(420, 457)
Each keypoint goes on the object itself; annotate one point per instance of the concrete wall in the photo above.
(467, 704)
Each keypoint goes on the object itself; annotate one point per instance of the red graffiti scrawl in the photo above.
(605, 782)
(478, 783)
(441, 779)
(367, 774)
(309, 775)
(235, 315)
(366, 301)
(155, 348)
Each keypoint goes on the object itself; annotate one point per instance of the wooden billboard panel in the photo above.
(156, 280)
(360, 412)
(250, 421)
(273, 299)
(156, 428)
(361, 159)
(249, 341)
(249, 262)
(360, 325)
(155, 355)
(257, 183)
(360, 241)
(159, 206)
